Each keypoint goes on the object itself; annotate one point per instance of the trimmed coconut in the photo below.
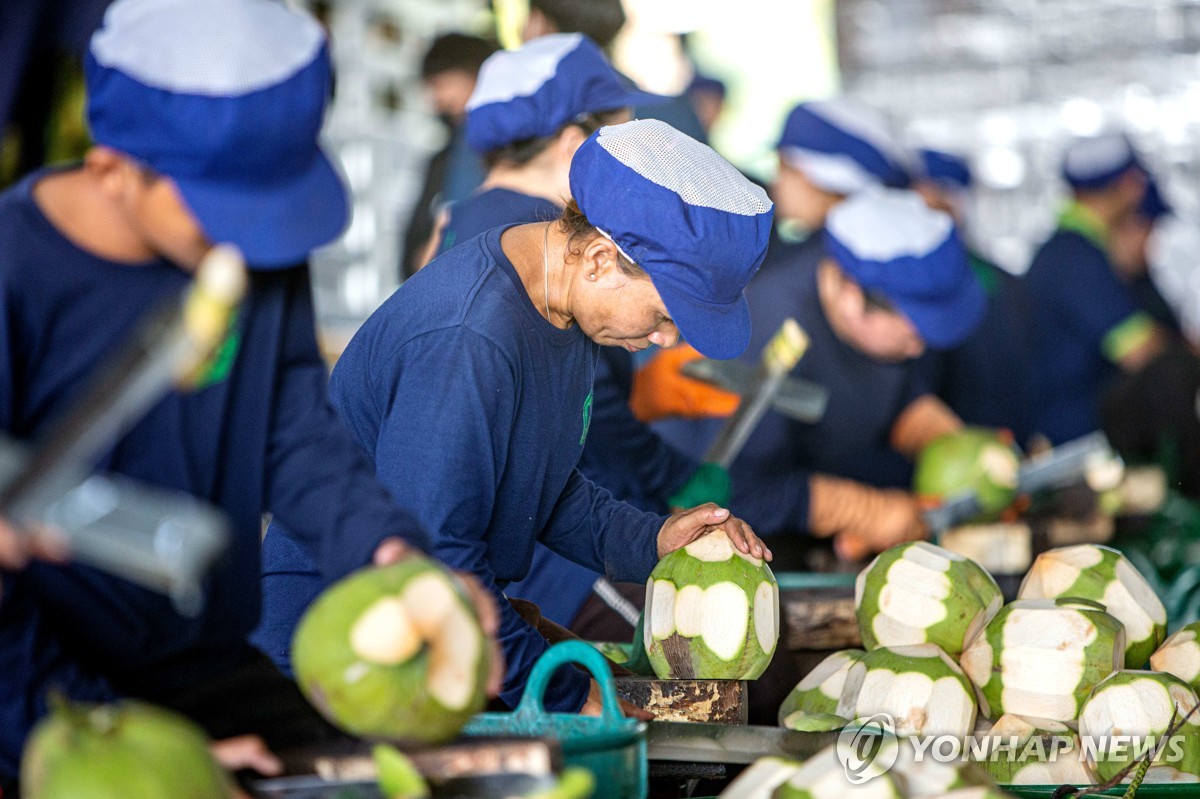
(1180, 655)
(918, 593)
(712, 613)
(1026, 751)
(813, 722)
(393, 652)
(936, 773)
(1104, 575)
(821, 688)
(1141, 705)
(920, 687)
(969, 460)
(824, 777)
(762, 778)
(1042, 657)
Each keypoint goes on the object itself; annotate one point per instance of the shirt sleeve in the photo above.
(1108, 317)
(595, 530)
(320, 484)
(443, 457)
(622, 443)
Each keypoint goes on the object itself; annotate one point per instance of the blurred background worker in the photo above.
(1087, 325)
(448, 71)
(985, 379)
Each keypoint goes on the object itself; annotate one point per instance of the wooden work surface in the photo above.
(713, 701)
(820, 619)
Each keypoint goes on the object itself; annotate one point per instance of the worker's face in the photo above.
(797, 199)
(941, 199)
(614, 308)
(1127, 245)
(536, 26)
(870, 325)
(449, 92)
(152, 206)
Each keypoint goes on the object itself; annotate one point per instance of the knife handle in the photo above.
(785, 349)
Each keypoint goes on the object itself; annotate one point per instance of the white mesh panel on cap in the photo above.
(1087, 158)
(679, 163)
(884, 224)
(520, 73)
(206, 47)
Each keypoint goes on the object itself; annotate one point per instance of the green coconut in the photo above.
(1104, 575)
(128, 750)
(712, 613)
(398, 777)
(918, 593)
(394, 653)
(969, 460)
(616, 652)
(1180, 655)
(821, 688)
(1042, 657)
(813, 722)
(920, 687)
(823, 776)
(1018, 750)
(1142, 705)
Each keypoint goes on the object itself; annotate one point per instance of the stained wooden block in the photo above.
(714, 701)
(820, 619)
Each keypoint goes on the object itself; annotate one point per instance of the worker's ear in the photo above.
(570, 139)
(537, 25)
(600, 265)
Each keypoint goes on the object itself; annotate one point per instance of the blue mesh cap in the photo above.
(536, 90)
(685, 215)
(1094, 162)
(842, 147)
(891, 242)
(946, 169)
(226, 98)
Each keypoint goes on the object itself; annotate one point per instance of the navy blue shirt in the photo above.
(475, 410)
(491, 208)
(1077, 301)
(263, 439)
(770, 477)
(985, 380)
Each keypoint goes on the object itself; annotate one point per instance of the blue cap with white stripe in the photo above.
(1095, 162)
(685, 215)
(841, 147)
(946, 169)
(226, 98)
(536, 90)
(892, 243)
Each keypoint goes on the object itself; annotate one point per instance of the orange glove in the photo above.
(864, 520)
(925, 419)
(661, 390)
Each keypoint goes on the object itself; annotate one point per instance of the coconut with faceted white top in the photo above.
(821, 688)
(1028, 751)
(1042, 657)
(1141, 705)
(1104, 575)
(1180, 655)
(918, 593)
(712, 613)
(822, 776)
(919, 686)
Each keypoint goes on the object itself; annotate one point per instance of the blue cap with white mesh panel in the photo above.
(891, 242)
(842, 147)
(1095, 162)
(536, 90)
(945, 169)
(226, 98)
(685, 215)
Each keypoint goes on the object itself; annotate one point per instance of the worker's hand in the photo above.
(394, 550)
(923, 420)
(862, 520)
(594, 706)
(661, 390)
(246, 752)
(684, 527)
(709, 483)
(17, 548)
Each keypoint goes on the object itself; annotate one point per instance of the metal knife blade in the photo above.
(796, 398)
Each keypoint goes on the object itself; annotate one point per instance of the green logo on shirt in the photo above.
(587, 418)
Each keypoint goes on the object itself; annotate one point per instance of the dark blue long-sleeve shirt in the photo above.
(475, 410)
(264, 438)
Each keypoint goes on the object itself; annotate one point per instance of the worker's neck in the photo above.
(76, 206)
(1105, 207)
(538, 178)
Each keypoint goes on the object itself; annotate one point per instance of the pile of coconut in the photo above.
(1074, 664)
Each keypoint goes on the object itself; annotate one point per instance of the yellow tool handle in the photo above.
(785, 349)
(209, 310)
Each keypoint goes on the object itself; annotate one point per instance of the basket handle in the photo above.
(533, 704)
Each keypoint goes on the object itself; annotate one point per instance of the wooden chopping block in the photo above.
(713, 701)
(820, 619)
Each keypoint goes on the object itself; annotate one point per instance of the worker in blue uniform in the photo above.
(895, 282)
(985, 379)
(472, 386)
(1087, 326)
(1130, 251)
(188, 152)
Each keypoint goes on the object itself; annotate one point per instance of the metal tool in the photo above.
(163, 540)
(1090, 456)
(697, 742)
(795, 398)
(779, 357)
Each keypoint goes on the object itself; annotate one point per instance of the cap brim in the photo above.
(720, 332)
(274, 225)
(946, 322)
